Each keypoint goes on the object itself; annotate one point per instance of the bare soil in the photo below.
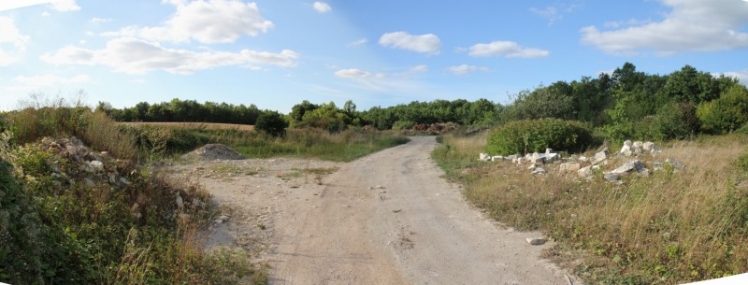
(388, 218)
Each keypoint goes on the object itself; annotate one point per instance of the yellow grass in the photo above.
(666, 228)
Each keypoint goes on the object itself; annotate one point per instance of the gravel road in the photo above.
(388, 218)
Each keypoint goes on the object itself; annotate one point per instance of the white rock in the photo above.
(600, 157)
(535, 241)
(537, 158)
(583, 158)
(638, 144)
(569, 167)
(497, 158)
(548, 151)
(648, 146)
(626, 150)
(551, 157)
(585, 172)
(633, 165)
(628, 143)
(484, 157)
(538, 170)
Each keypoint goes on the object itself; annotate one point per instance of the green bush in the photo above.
(271, 123)
(726, 114)
(536, 135)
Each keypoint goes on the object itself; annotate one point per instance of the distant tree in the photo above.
(271, 123)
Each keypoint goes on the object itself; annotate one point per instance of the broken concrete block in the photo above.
(612, 177)
(551, 157)
(677, 164)
(633, 165)
(648, 146)
(535, 241)
(569, 167)
(484, 157)
(585, 172)
(539, 170)
(600, 157)
(497, 158)
(626, 150)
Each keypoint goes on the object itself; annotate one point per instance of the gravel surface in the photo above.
(388, 218)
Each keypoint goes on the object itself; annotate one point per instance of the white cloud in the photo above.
(418, 69)
(740, 75)
(137, 56)
(59, 5)
(554, 13)
(99, 20)
(46, 80)
(211, 21)
(692, 25)
(428, 43)
(46, 14)
(507, 49)
(359, 42)
(463, 69)
(354, 73)
(9, 34)
(322, 7)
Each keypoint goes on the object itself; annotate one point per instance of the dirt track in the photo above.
(387, 218)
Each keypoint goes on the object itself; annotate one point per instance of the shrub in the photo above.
(726, 114)
(271, 123)
(535, 135)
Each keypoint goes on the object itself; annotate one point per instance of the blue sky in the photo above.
(276, 53)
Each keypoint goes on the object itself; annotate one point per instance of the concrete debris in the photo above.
(677, 164)
(536, 241)
(612, 177)
(569, 167)
(633, 165)
(539, 170)
(600, 157)
(585, 172)
(497, 158)
(484, 157)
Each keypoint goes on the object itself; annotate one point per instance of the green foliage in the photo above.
(271, 123)
(543, 102)
(527, 136)
(183, 111)
(676, 121)
(726, 114)
(403, 125)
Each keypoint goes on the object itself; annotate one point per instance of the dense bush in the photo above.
(271, 123)
(726, 114)
(536, 135)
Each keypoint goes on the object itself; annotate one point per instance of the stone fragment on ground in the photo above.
(536, 241)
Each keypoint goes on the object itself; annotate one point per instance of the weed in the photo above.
(667, 228)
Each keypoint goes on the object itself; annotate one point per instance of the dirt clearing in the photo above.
(387, 218)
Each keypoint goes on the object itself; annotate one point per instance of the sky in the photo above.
(277, 53)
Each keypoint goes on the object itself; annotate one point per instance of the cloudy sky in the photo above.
(276, 53)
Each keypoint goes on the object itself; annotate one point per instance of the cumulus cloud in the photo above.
(691, 25)
(507, 49)
(211, 21)
(322, 7)
(463, 69)
(59, 5)
(136, 56)
(46, 80)
(10, 35)
(428, 43)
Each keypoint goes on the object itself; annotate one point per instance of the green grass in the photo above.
(667, 228)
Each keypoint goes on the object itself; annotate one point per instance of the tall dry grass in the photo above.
(673, 226)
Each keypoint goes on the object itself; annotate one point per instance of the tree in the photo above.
(271, 123)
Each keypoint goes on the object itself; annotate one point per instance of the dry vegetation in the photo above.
(188, 125)
(667, 228)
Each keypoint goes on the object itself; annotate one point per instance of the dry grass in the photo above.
(666, 228)
(189, 125)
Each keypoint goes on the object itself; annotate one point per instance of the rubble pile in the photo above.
(585, 167)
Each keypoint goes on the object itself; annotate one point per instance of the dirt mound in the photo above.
(214, 152)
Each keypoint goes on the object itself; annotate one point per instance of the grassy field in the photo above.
(306, 143)
(667, 228)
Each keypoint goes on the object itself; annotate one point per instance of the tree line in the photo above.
(624, 104)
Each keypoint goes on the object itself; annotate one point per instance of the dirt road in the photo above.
(387, 218)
